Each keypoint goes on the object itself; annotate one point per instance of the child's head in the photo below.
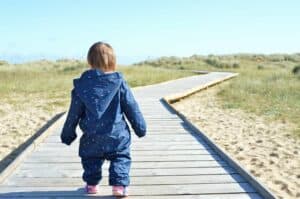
(101, 55)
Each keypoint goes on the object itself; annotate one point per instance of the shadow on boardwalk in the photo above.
(187, 127)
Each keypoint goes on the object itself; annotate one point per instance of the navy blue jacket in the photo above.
(99, 103)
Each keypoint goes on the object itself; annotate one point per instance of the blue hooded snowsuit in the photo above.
(99, 103)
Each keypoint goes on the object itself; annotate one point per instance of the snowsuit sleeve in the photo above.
(132, 110)
(68, 134)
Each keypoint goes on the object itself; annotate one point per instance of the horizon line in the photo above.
(21, 59)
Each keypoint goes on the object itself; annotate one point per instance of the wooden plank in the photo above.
(138, 143)
(149, 158)
(141, 142)
(162, 143)
(149, 165)
(133, 153)
(59, 147)
(135, 190)
(159, 130)
(150, 132)
(144, 180)
(199, 196)
(157, 138)
(55, 173)
(153, 132)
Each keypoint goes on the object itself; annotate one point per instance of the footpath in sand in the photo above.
(265, 149)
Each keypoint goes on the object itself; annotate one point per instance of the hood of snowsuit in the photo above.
(96, 90)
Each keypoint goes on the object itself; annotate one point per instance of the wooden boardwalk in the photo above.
(171, 162)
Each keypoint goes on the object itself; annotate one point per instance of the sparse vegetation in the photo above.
(52, 81)
(265, 86)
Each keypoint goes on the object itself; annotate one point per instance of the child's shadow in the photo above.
(79, 193)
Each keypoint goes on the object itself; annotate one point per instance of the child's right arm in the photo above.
(68, 134)
(132, 110)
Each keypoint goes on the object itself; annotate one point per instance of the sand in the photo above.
(266, 149)
(19, 123)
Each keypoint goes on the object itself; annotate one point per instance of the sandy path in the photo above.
(266, 149)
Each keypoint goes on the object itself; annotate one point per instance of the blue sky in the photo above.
(139, 29)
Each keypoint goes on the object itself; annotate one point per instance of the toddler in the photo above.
(100, 100)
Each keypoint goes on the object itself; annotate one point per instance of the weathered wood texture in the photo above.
(171, 162)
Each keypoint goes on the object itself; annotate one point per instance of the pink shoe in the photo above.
(91, 189)
(120, 191)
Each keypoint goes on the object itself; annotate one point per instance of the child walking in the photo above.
(100, 100)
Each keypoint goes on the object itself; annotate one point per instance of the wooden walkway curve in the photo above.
(173, 161)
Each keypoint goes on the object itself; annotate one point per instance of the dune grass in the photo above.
(266, 85)
(274, 93)
(24, 84)
(146, 75)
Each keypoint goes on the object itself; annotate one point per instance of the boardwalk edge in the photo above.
(178, 96)
(168, 100)
(54, 124)
(197, 72)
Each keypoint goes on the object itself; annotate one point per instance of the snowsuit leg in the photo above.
(119, 168)
(92, 169)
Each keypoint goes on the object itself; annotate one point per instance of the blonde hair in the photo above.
(101, 55)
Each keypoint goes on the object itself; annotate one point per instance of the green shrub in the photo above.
(236, 65)
(296, 70)
(221, 64)
(260, 67)
(212, 61)
(292, 58)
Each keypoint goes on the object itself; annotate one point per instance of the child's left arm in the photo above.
(68, 134)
